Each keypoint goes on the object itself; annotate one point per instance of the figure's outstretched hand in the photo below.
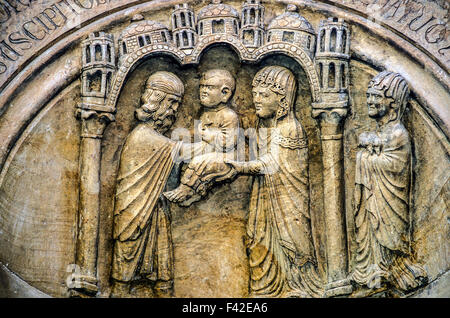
(179, 194)
(236, 165)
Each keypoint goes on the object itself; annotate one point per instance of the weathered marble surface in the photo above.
(39, 141)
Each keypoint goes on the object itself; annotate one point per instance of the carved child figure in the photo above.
(383, 173)
(218, 128)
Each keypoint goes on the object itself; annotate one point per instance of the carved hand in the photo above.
(237, 166)
(371, 142)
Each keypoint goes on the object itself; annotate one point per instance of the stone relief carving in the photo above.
(368, 251)
(291, 246)
(142, 233)
(219, 127)
(382, 198)
(281, 254)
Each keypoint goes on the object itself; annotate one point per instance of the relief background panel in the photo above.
(39, 197)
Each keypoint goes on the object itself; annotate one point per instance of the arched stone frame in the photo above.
(300, 56)
(70, 75)
(127, 62)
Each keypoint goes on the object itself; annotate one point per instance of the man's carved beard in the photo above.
(162, 123)
(142, 115)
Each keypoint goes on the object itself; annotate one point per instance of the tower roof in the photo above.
(291, 20)
(217, 9)
(142, 27)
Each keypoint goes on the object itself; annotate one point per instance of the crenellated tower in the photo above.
(252, 31)
(183, 26)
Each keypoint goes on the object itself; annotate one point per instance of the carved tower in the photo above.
(252, 24)
(183, 26)
(293, 28)
(218, 18)
(98, 70)
(332, 57)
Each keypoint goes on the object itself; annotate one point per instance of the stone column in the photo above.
(94, 116)
(331, 127)
(93, 124)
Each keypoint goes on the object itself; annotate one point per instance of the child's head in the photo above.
(216, 87)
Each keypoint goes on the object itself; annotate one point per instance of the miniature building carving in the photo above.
(293, 28)
(252, 24)
(183, 26)
(98, 68)
(332, 58)
(141, 34)
(218, 18)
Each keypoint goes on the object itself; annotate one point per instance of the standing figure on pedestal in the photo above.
(142, 232)
(279, 241)
(383, 176)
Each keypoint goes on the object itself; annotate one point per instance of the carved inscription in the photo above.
(232, 144)
(424, 21)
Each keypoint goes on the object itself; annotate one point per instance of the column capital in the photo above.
(93, 123)
(329, 115)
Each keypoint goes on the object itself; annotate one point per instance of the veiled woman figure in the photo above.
(279, 241)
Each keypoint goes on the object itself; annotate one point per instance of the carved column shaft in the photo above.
(93, 124)
(331, 128)
(333, 174)
(89, 204)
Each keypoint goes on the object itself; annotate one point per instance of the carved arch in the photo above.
(234, 42)
(300, 56)
(129, 61)
(297, 53)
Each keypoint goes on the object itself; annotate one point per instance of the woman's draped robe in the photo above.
(382, 217)
(281, 253)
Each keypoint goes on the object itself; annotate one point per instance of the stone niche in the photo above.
(68, 95)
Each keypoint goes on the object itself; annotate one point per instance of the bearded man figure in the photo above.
(143, 248)
(382, 185)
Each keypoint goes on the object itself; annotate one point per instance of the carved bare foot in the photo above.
(179, 194)
(81, 285)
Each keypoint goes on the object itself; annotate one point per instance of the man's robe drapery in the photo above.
(382, 219)
(142, 231)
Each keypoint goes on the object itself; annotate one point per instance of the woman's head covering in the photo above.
(281, 81)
